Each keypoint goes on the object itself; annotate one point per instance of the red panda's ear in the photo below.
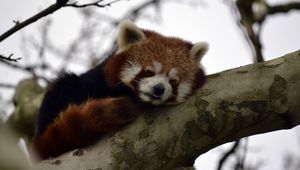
(129, 34)
(198, 51)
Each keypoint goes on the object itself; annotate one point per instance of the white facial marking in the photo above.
(157, 66)
(129, 72)
(183, 90)
(173, 74)
(144, 97)
(146, 86)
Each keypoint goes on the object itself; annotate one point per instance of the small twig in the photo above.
(96, 4)
(28, 68)
(245, 151)
(4, 85)
(20, 25)
(16, 22)
(230, 152)
(9, 58)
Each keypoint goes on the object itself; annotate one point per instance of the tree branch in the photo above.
(19, 25)
(9, 86)
(9, 58)
(248, 17)
(96, 4)
(230, 152)
(283, 8)
(28, 68)
(249, 100)
(51, 9)
(246, 20)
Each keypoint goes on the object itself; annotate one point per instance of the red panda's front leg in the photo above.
(82, 125)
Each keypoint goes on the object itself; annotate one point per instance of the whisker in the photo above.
(135, 80)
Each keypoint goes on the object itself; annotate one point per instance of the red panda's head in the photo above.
(159, 69)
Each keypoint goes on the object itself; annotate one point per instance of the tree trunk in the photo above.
(232, 104)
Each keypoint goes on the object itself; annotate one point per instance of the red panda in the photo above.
(147, 68)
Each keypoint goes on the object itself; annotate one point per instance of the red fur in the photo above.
(80, 125)
(113, 66)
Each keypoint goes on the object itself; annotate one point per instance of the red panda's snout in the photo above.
(156, 89)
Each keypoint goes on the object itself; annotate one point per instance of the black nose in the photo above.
(158, 90)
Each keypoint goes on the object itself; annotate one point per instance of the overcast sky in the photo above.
(212, 23)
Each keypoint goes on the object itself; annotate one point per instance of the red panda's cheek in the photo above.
(128, 74)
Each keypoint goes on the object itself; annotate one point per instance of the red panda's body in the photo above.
(147, 68)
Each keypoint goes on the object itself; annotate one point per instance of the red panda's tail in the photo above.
(82, 125)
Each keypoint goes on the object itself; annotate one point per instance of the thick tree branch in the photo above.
(51, 9)
(233, 104)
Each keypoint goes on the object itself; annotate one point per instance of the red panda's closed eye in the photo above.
(148, 73)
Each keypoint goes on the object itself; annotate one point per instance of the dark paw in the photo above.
(125, 107)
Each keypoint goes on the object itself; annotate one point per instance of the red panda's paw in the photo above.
(119, 111)
(125, 107)
(110, 114)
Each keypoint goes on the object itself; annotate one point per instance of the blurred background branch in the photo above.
(9, 58)
(250, 16)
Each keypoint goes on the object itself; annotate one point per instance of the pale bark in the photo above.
(11, 157)
(232, 104)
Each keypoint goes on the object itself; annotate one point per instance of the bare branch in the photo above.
(4, 85)
(51, 9)
(247, 17)
(230, 152)
(20, 25)
(28, 69)
(96, 4)
(283, 8)
(9, 58)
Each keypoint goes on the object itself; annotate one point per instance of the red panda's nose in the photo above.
(158, 90)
